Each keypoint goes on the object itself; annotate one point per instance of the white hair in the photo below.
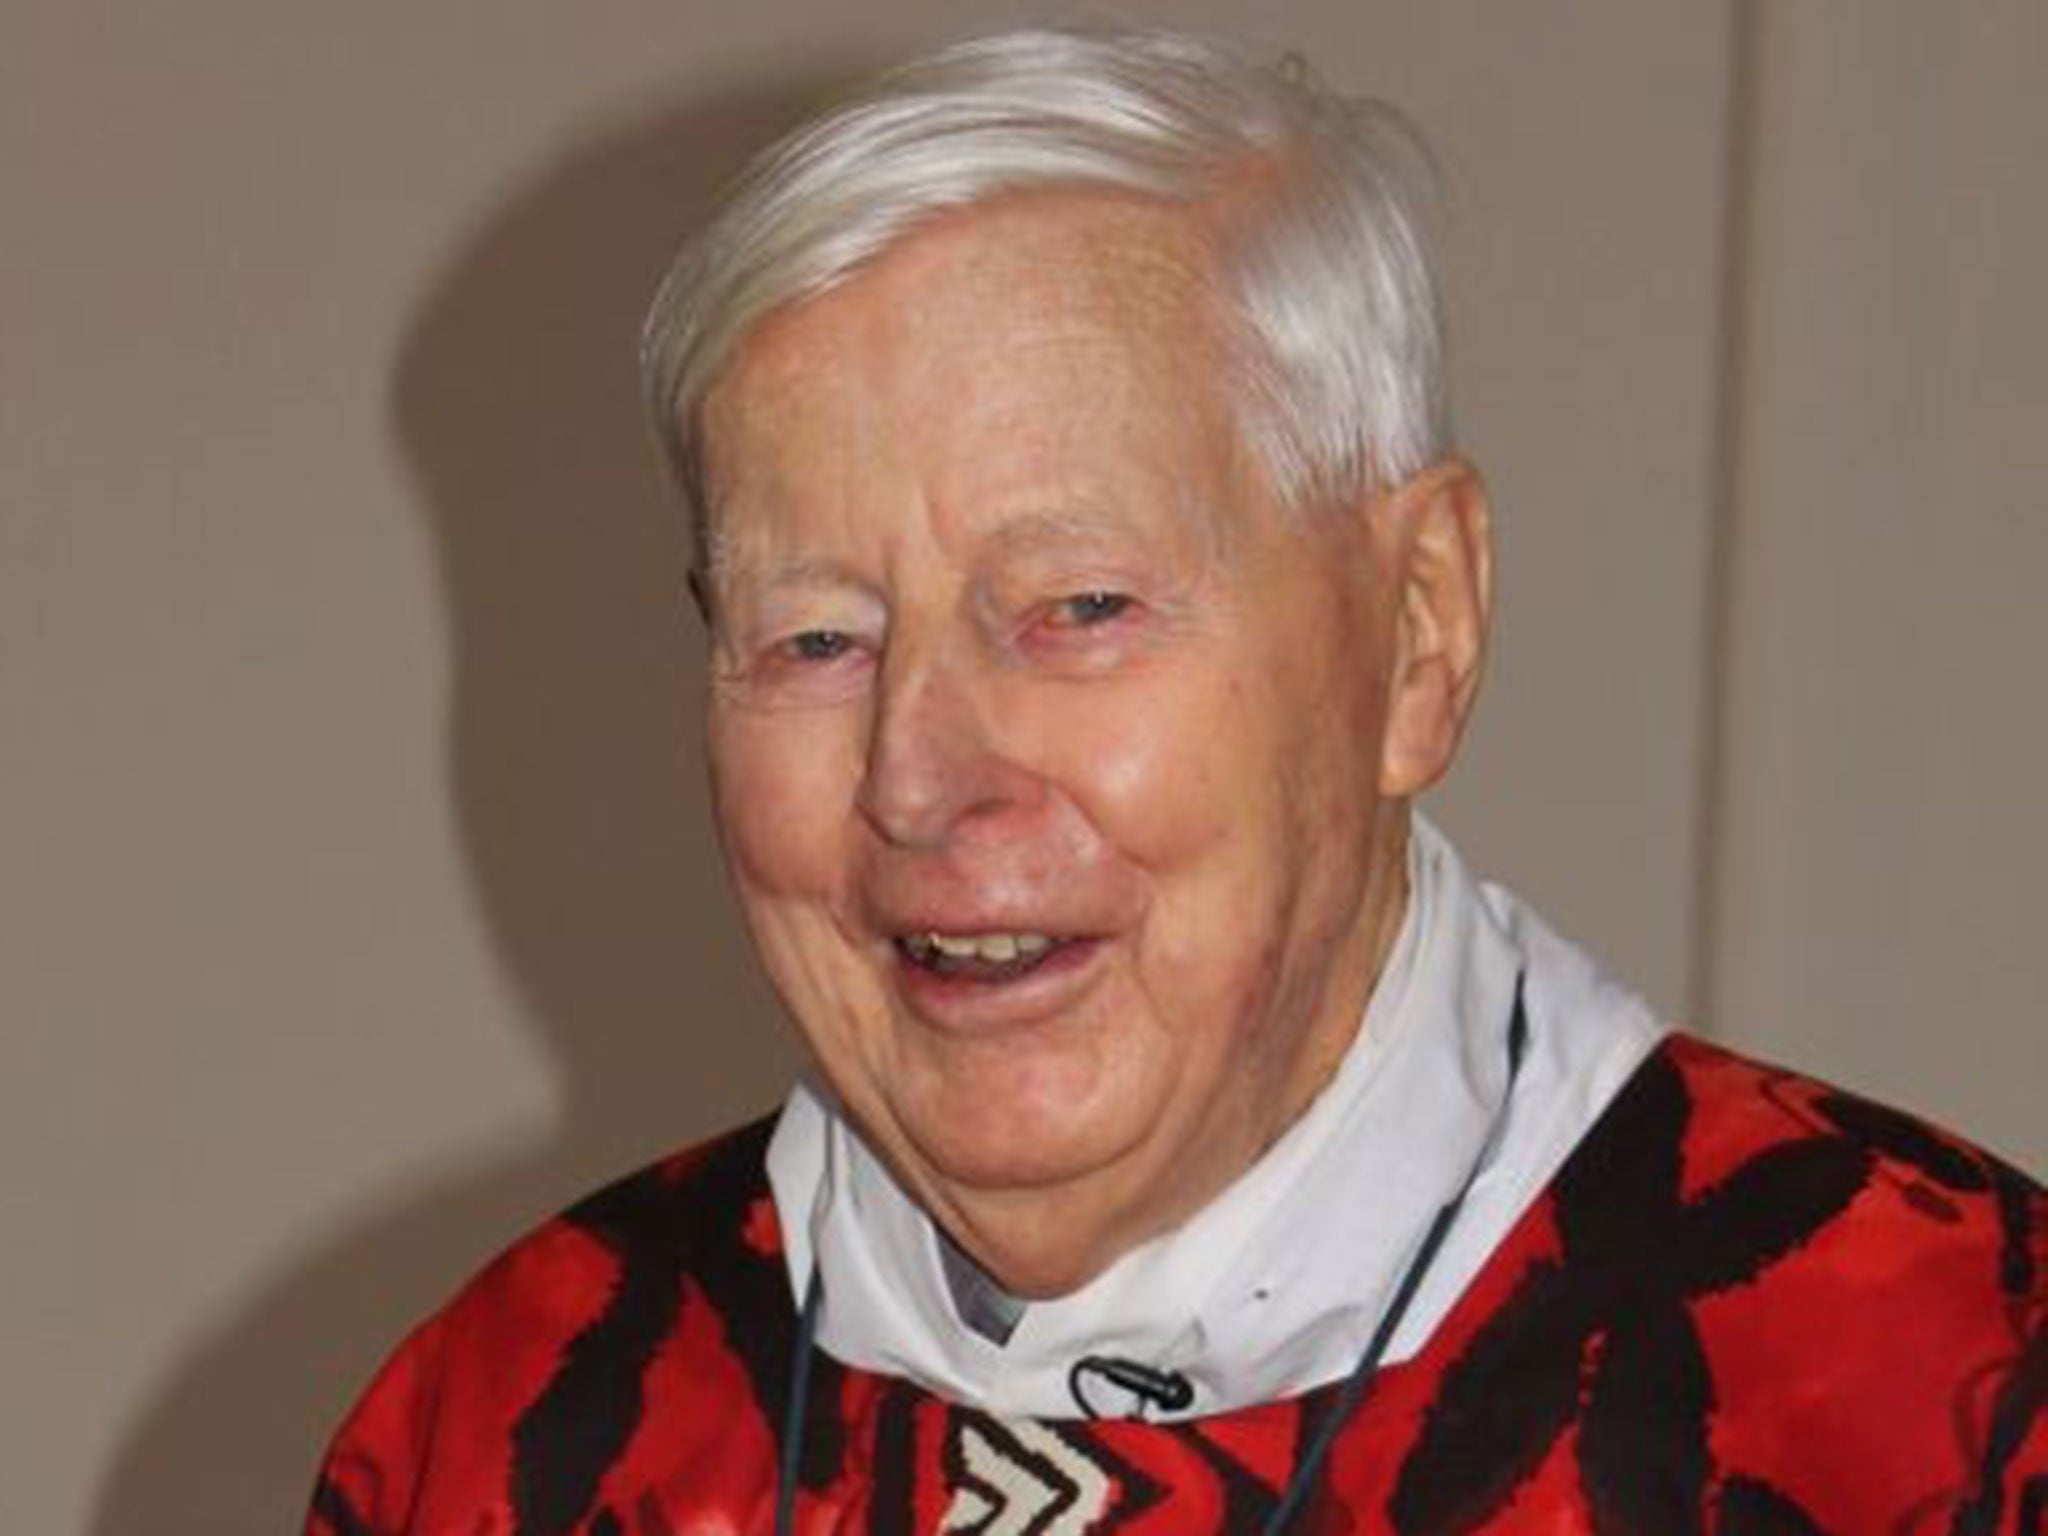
(1327, 269)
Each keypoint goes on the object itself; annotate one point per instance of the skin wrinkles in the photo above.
(915, 727)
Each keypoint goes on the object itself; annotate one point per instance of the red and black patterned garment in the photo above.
(1748, 1305)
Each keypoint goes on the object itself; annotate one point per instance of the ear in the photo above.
(1441, 533)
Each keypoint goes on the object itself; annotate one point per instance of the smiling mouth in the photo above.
(983, 957)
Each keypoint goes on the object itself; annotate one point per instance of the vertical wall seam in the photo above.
(1709, 861)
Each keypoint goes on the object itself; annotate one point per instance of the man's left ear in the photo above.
(1442, 546)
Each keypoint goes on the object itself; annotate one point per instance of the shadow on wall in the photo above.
(574, 765)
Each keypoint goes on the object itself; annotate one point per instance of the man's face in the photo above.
(1046, 746)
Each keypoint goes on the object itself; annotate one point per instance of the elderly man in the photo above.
(1195, 1145)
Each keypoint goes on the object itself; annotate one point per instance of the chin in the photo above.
(1047, 1216)
(1036, 1149)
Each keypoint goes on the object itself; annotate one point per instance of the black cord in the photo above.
(789, 1454)
(1309, 1468)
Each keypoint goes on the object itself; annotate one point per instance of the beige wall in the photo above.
(356, 903)
(1881, 831)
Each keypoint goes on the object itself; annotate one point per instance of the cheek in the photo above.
(784, 814)
(1186, 782)
(782, 802)
(1242, 798)
(1152, 767)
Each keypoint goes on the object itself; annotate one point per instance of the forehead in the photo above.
(1037, 354)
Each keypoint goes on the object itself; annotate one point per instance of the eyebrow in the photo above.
(726, 567)
(1083, 527)
(729, 560)
(1089, 528)
(740, 563)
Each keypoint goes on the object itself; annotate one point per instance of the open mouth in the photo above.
(983, 957)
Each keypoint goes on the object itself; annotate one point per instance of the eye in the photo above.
(818, 644)
(1085, 609)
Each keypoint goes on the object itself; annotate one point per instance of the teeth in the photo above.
(996, 948)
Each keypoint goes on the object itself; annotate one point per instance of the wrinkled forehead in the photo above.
(1049, 346)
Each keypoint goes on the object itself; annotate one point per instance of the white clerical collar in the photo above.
(1276, 1285)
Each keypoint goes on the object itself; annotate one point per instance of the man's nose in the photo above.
(935, 768)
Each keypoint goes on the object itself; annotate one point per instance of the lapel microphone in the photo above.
(1168, 1391)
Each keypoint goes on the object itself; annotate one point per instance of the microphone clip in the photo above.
(1167, 1391)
